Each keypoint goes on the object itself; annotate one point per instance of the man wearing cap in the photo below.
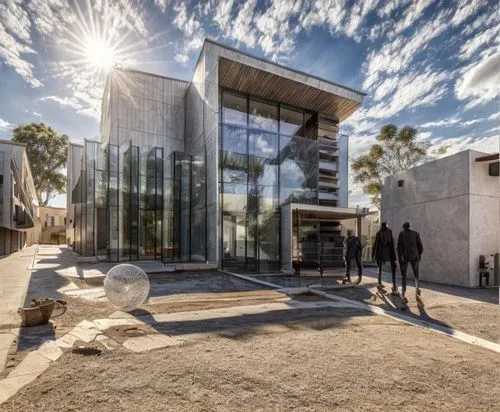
(409, 251)
(352, 250)
(383, 251)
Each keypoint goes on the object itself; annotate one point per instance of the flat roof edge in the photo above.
(209, 40)
(13, 143)
(126, 69)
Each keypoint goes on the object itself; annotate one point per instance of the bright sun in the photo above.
(100, 54)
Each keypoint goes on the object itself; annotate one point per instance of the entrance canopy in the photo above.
(314, 235)
(329, 212)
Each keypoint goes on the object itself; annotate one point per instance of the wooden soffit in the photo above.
(259, 82)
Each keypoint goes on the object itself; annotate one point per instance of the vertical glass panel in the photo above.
(234, 197)
(262, 199)
(263, 116)
(291, 122)
(234, 159)
(269, 242)
(134, 203)
(252, 243)
(263, 158)
(233, 241)
(234, 109)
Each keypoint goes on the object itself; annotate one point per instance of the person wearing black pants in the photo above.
(410, 251)
(383, 251)
(352, 250)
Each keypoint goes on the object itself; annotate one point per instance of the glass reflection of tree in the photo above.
(263, 230)
(302, 153)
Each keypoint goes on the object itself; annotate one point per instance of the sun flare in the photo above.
(99, 54)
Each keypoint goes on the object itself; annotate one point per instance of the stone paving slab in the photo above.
(103, 324)
(150, 342)
(108, 343)
(66, 341)
(10, 385)
(86, 334)
(33, 363)
(50, 350)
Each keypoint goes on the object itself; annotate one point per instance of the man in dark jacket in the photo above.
(409, 251)
(383, 251)
(352, 250)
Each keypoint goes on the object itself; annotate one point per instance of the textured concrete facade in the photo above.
(144, 109)
(454, 204)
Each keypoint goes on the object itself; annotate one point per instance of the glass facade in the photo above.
(132, 203)
(268, 157)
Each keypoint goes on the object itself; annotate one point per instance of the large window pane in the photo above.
(262, 171)
(234, 139)
(297, 148)
(234, 197)
(234, 159)
(234, 240)
(269, 242)
(263, 116)
(291, 122)
(263, 144)
(234, 167)
(234, 109)
(300, 195)
(262, 199)
(263, 158)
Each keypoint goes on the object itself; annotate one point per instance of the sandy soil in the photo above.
(328, 361)
(478, 319)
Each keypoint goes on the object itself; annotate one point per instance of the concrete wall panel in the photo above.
(443, 227)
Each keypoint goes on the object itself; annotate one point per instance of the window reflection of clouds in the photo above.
(263, 116)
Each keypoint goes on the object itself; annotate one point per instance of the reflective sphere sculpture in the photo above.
(126, 286)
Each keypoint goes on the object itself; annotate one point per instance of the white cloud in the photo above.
(223, 13)
(192, 29)
(471, 122)
(465, 9)
(181, 58)
(413, 90)
(5, 125)
(81, 102)
(472, 45)
(412, 14)
(494, 116)
(441, 123)
(15, 40)
(162, 5)
(480, 82)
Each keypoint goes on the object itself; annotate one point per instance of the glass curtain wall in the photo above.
(267, 158)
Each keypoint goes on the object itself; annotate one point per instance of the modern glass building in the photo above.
(243, 166)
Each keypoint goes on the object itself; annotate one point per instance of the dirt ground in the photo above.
(476, 318)
(330, 359)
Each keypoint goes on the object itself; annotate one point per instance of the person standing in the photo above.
(383, 251)
(410, 251)
(352, 251)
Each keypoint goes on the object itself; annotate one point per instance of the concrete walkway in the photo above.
(15, 273)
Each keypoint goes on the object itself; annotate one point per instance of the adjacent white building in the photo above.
(454, 203)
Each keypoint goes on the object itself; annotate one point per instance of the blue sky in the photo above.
(432, 64)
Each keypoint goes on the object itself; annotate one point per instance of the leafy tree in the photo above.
(47, 154)
(397, 150)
